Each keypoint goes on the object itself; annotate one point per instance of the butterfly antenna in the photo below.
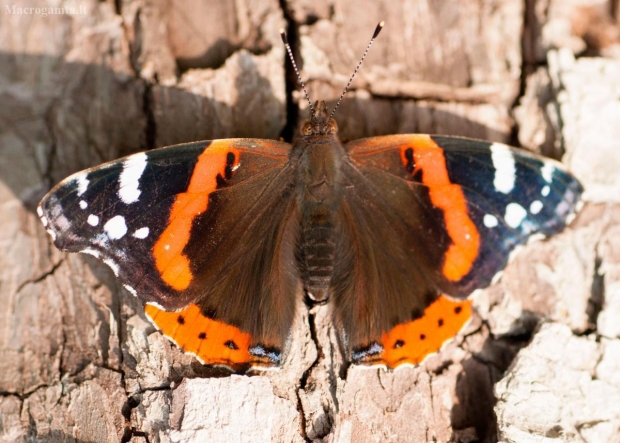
(290, 56)
(374, 36)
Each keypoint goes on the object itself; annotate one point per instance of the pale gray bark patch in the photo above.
(562, 386)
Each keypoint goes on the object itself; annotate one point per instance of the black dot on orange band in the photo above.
(416, 313)
(231, 345)
(220, 181)
(209, 313)
(440, 322)
(422, 337)
(430, 297)
(202, 335)
(181, 320)
(398, 344)
(418, 176)
(410, 163)
(458, 310)
(230, 162)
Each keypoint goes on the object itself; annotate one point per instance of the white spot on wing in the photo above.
(61, 223)
(52, 234)
(116, 227)
(161, 308)
(545, 191)
(129, 181)
(536, 206)
(141, 233)
(92, 252)
(563, 208)
(82, 184)
(40, 211)
(44, 220)
(570, 217)
(547, 171)
(92, 220)
(83, 204)
(131, 290)
(504, 164)
(515, 213)
(112, 264)
(490, 221)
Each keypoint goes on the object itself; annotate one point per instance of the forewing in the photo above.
(172, 222)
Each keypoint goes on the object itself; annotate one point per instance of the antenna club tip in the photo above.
(378, 28)
(283, 36)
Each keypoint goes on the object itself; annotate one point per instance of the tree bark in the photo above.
(80, 362)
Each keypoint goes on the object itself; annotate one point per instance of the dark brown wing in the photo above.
(389, 254)
(207, 224)
(424, 216)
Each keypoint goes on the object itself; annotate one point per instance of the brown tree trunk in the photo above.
(80, 362)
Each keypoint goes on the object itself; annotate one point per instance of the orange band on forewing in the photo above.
(211, 341)
(172, 264)
(412, 342)
(429, 158)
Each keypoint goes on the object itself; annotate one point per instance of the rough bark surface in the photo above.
(78, 359)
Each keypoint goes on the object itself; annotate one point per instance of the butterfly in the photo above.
(221, 238)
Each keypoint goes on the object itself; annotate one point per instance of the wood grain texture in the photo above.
(78, 359)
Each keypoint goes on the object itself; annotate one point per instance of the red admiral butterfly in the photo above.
(219, 237)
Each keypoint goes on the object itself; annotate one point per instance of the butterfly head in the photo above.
(320, 121)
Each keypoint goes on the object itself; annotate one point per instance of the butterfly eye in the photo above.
(333, 127)
(306, 129)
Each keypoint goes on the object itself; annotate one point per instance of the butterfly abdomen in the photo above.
(317, 255)
(320, 196)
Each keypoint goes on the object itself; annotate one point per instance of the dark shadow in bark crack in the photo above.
(473, 416)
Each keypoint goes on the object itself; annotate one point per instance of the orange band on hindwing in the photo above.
(211, 341)
(173, 266)
(426, 156)
(412, 342)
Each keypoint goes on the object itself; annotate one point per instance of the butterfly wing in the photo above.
(456, 208)
(178, 225)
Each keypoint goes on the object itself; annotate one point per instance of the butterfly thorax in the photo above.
(319, 192)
